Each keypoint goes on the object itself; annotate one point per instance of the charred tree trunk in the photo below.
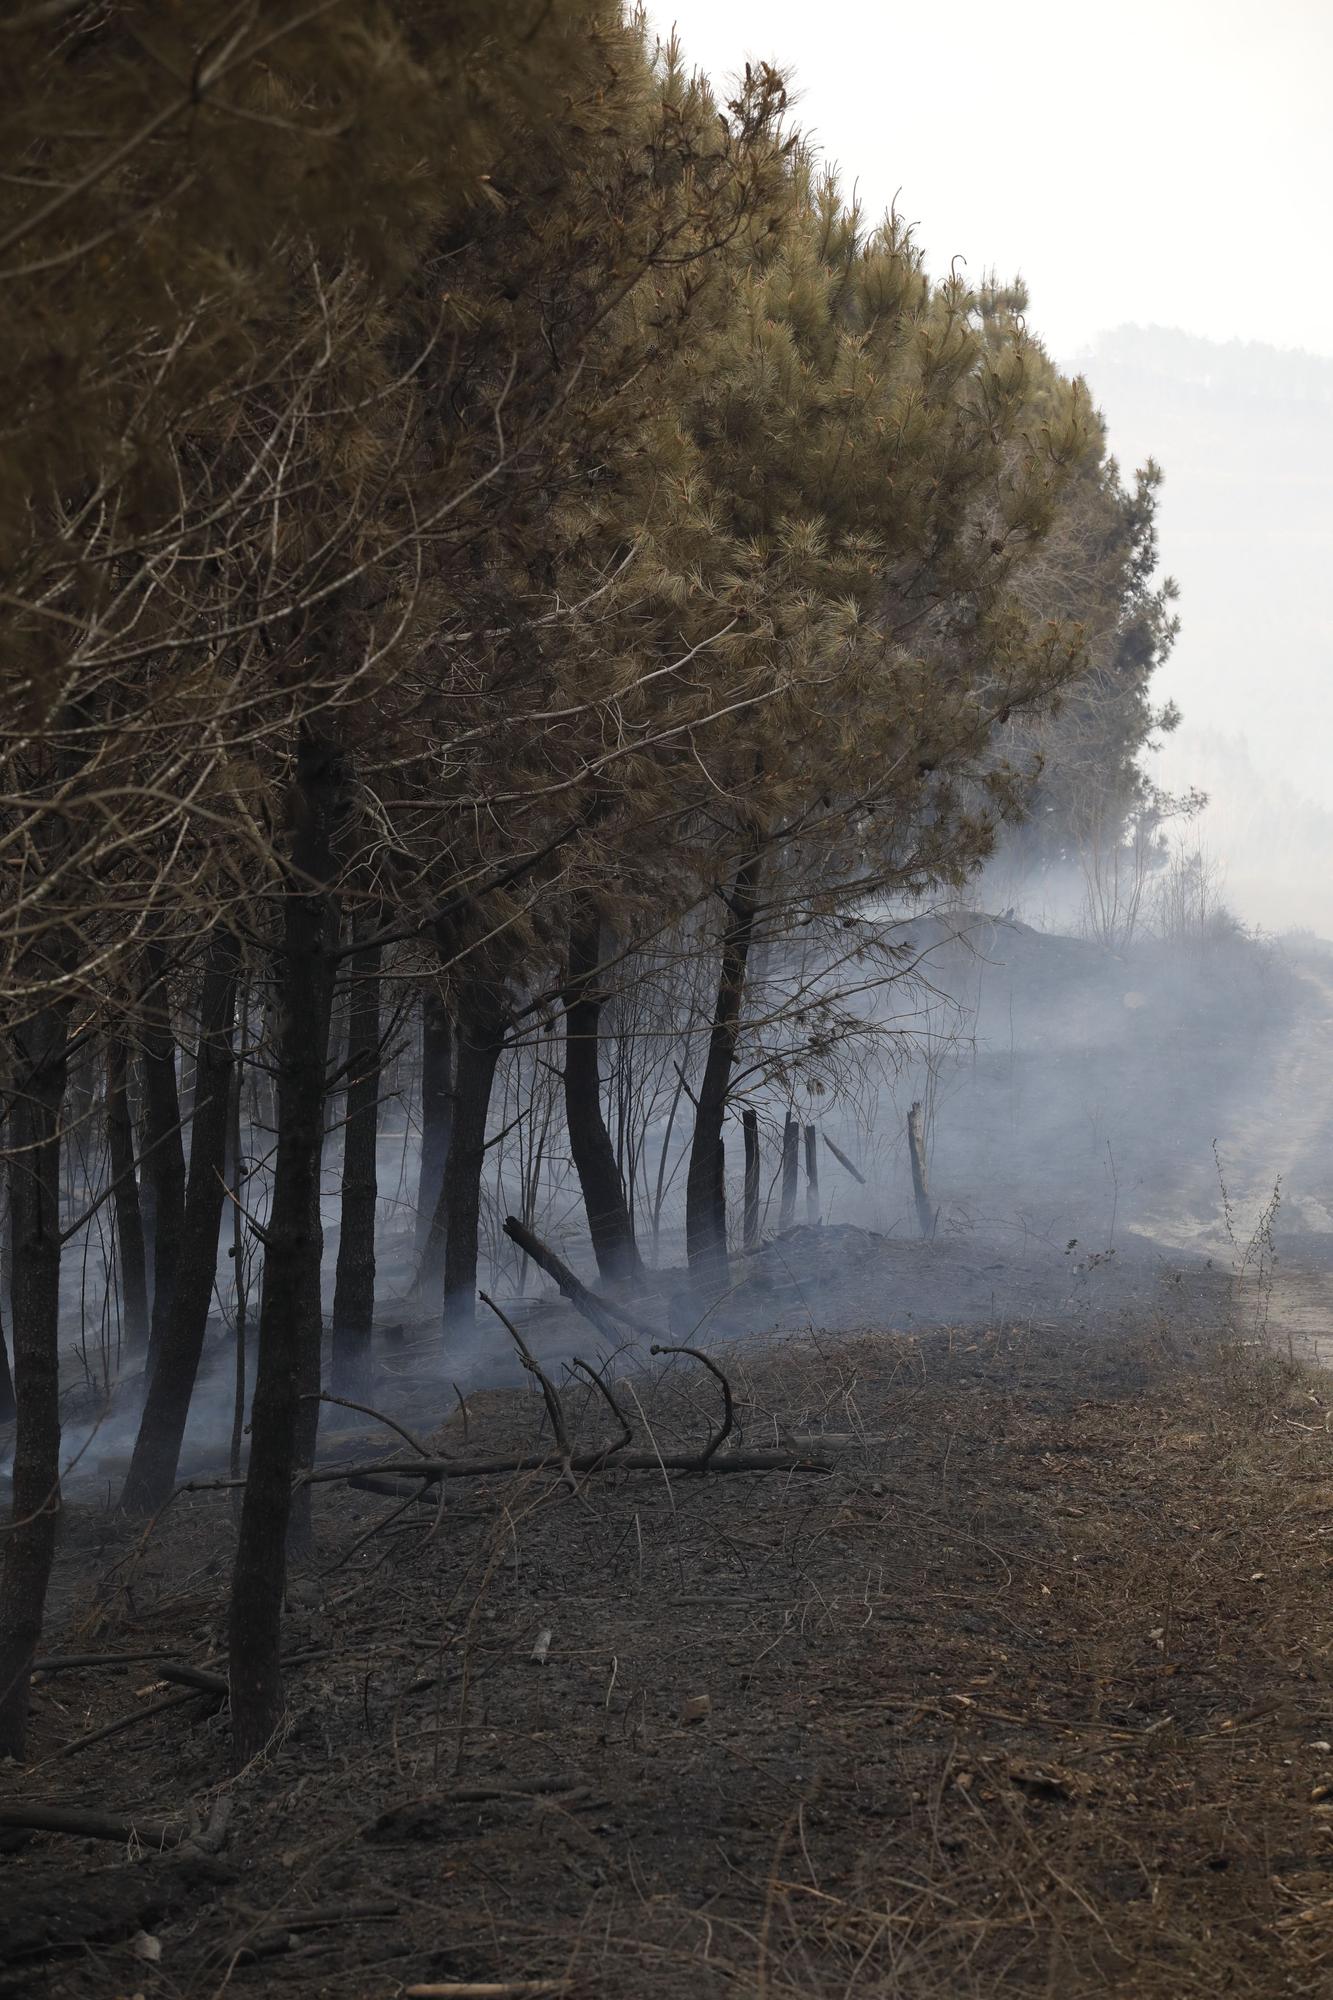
(750, 1127)
(791, 1162)
(310, 1329)
(157, 1448)
(240, 1274)
(437, 1117)
(163, 1149)
(811, 1175)
(291, 1247)
(354, 1286)
(916, 1146)
(481, 1023)
(129, 1217)
(7, 1405)
(705, 1193)
(609, 1221)
(34, 1192)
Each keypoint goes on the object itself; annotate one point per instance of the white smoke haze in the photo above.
(1244, 433)
(1077, 1103)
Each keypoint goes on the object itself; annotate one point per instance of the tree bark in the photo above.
(354, 1285)
(129, 1217)
(750, 1127)
(166, 1409)
(791, 1161)
(705, 1193)
(916, 1146)
(163, 1148)
(291, 1245)
(811, 1175)
(309, 1409)
(594, 1156)
(437, 1117)
(481, 1022)
(39, 1075)
(7, 1403)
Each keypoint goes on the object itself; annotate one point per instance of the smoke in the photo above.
(1092, 1119)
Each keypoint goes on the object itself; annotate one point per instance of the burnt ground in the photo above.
(1030, 1693)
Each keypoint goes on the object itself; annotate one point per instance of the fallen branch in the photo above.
(275, 1943)
(85, 1825)
(554, 1408)
(64, 1663)
(385, 1489)
(843, 1161)
(596, 1378)
(323, 1396)
(487, 1989)
(147, 1710)
(144, 1713)
(728, 1408)
(192, 1677)
(602, 1314)
(430, 1469)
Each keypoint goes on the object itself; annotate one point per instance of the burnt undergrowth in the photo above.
(1029, 1691)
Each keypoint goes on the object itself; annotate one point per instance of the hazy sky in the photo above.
(1153, 160)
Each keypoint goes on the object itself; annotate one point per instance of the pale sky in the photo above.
(1167, 161)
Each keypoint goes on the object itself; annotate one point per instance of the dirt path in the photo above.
(1276, 1135)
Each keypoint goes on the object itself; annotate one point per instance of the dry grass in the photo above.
(1026, 1699)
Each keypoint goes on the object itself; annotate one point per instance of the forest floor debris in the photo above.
(1033, 1692)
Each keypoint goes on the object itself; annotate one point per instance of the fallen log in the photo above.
(843, 1161)
(487, 1989)
(429, 1470)
(86, 1825)
(65, 1663)
(215, 1690)
(191, 1677)
(607, 1318)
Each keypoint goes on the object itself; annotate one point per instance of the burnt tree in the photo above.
(705, 1192)
(482, 1021)
(129, 1215)
(354, 1283)
(303, 981)
(163, 1150)
(37, 1084)
(166, 1409)
(437, 1117)
(594, 1156)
